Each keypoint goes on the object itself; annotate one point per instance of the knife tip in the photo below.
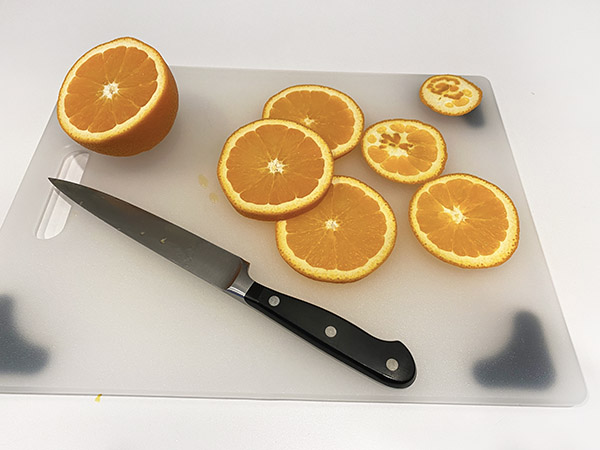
(57, 182)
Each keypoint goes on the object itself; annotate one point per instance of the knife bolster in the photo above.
(241, 284)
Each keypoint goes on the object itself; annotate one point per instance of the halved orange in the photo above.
(464, 220)
(331, 113)
(348, 235)
(119, 99)
(450, 95)
(272, 169)
(406, 151)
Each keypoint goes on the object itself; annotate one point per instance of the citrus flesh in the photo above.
(272, 169)
(405, 151)
(465, 220)
(331, 113)
(450, 95)
(120, 98)
(348, 235)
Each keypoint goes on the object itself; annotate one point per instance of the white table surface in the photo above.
(542, 58)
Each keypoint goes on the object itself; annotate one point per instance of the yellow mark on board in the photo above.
(203, 180)
(213, 197)
(97, 400)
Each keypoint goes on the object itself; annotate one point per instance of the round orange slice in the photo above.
(464, 220)
(331, 113)
(348, 235)
(405, 151)
(272, 169)
(119, 99)
(450, 95)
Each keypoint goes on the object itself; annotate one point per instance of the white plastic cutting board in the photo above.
(90, 311)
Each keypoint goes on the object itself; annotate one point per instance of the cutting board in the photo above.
(85, 310)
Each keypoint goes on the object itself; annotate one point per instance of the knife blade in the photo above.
(388, 362)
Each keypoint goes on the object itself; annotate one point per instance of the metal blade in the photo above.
(196, 255)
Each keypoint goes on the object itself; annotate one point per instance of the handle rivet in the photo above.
(392, 364)
(330, 331)
(274, 300)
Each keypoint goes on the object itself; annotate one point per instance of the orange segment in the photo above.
(329, 112)
(450, 95)
(465, 221)
(120, 98)
(348, 235)
(405, 151)
(272, 169)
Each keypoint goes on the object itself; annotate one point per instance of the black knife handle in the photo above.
(388, 362)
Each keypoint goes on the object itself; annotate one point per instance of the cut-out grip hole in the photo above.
(57, 209)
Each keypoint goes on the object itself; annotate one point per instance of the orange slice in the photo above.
(465, 221)
(119, 99)
(331, 113)
(406, 151)
(348, 235)
(450, 95)
(273, 169)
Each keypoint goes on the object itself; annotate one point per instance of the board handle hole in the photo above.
(54, 217)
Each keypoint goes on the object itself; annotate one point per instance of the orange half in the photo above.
(119, 99)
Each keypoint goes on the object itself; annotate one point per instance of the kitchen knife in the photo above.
(388, 362)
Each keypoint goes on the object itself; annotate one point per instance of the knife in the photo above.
(388, 362)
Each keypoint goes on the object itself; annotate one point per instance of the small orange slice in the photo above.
(119, 99)
(348, 235)
(466, 221)
(450, 95)
(272, 169)
(406, 151)
(331, 113)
